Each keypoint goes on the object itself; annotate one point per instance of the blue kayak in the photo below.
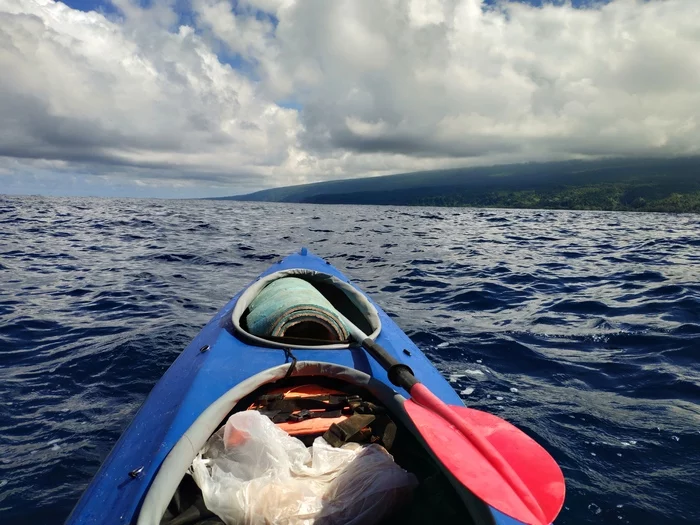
(145, 478)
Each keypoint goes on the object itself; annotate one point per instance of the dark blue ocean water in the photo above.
(583, 328)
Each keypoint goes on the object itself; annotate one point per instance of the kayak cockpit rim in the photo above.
(178, 461)
(346, 298)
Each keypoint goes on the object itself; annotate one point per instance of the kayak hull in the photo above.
(211, 365)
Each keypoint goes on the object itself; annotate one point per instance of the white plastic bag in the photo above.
(253, 473)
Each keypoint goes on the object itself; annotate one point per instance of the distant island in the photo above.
(653, 185)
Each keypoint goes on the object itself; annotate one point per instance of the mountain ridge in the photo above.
(651, 184)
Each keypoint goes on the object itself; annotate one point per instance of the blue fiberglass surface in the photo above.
(196, 379)
(502, 519)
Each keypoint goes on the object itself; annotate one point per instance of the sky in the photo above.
(195, 98)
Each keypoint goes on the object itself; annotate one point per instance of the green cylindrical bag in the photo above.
(292, 307)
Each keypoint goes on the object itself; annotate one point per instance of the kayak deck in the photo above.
(217, 361)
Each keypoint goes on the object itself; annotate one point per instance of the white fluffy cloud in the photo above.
(268, 92)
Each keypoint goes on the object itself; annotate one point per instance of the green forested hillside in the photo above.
(620, 196)
(664, 185)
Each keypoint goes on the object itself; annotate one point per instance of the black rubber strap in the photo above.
(294, 404)
(308, 414)
(289, 355)
(349, 430)
(284, 417)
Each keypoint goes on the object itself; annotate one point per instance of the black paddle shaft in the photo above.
(399, 374)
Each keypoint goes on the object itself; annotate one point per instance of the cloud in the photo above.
(257, 93)
(458, 79)
(89, 90)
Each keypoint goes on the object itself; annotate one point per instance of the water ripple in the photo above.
(579, 327)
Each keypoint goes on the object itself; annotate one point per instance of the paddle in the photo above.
(495, 460)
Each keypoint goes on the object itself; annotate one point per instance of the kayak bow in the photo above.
(494, 473)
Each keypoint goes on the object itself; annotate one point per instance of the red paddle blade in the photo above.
(531, 462)
(495, 460)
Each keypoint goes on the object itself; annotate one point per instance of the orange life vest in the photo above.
(299, 421)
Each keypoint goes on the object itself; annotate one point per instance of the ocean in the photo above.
(582, 328)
